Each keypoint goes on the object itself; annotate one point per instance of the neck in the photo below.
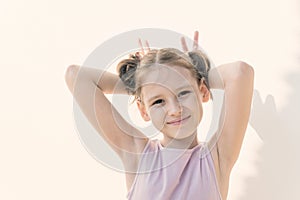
(184, 143)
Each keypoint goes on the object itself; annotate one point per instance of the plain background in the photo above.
(41, 154)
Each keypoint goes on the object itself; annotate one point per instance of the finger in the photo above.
(147, 45)
(196, 37)
(183, 44)
(141, 46)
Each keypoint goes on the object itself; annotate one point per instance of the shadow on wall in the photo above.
(278, 166)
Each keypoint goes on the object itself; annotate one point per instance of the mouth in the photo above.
(178, 121)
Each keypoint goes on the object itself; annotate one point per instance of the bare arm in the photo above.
(88, 89)
(237, 81)
(108, 82)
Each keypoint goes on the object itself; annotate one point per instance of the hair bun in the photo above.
(126, 70)
(201, 63)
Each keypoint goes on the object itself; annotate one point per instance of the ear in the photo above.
(205, 94)
(143, 111)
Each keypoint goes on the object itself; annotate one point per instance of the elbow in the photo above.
(70, 76)
(245, 69)
(71, 71)
(245, 72)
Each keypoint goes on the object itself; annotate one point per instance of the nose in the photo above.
(174, 108)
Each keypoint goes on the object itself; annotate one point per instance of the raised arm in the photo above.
(237, 81)
(88, 90)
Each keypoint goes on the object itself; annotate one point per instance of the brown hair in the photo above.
(130, 69)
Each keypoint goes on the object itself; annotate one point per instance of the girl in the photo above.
(169, 87)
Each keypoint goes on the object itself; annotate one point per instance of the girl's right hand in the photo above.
(144, 50)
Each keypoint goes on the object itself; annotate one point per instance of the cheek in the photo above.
(193, 101)
(157, 117)
(157, 113)
(194, 104)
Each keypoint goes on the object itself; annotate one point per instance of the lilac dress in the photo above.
(175, 174)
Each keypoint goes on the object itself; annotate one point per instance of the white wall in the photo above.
(41, 154)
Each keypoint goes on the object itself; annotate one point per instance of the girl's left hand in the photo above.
(195, 44)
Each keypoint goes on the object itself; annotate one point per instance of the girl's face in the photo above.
(172, 99)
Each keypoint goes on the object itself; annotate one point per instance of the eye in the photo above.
(183, 93)
(158, 101)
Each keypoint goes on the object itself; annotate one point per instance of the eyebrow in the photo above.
(184, 87)
(177, 89)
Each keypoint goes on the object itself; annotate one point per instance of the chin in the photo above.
(184, 135)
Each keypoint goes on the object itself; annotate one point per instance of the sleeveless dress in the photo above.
(175, 174)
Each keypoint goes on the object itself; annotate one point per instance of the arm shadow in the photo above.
(278, 161)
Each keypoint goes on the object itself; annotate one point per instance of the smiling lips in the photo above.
(178, 121)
